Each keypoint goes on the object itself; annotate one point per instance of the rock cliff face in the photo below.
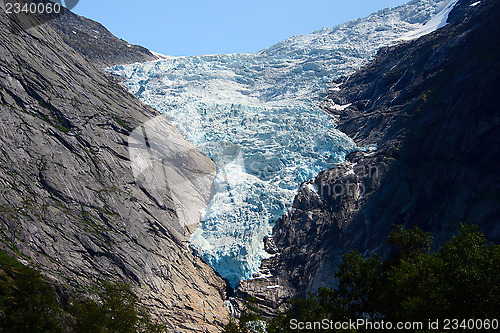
(72, 202)
(96, 43)
(431, 108)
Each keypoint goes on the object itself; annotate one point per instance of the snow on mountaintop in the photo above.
(438, 21)
(257, 117)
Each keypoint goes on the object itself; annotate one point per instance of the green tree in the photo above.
(409, 243)
(119, 304)
(27, 302)
(88, 316)
(361, 284)
(30, 304)
(460, 280)
(472, 267)
(250, 320)
(118, 312)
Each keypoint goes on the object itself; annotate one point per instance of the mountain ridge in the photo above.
(96, 43)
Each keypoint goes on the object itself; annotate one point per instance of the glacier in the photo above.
(258, 117)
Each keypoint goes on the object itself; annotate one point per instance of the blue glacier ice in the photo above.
(258, 117)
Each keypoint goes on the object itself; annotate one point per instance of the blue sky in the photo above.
(193, 27)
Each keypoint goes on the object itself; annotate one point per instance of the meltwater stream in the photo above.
(257, 116)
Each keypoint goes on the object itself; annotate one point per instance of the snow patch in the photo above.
(312, 188)
(161, 56)
(350, 172)
(433, 24)
(262, 276)
(340, 107)
(273, 287)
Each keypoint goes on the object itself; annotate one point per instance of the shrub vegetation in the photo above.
(460, 280)
(28, 303)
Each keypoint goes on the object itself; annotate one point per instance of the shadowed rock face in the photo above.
(431, 106)
(70, 202)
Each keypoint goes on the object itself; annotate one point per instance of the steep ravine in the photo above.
(431, 108)
(257, 115)
(69, 203)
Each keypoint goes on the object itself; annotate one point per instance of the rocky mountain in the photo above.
(77, 164)
(430, 109)
(96, 185)
(258, 117)
(92, 40)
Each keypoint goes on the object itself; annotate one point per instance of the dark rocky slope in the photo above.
(432, 108)
(69, 203)
(96, 43)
